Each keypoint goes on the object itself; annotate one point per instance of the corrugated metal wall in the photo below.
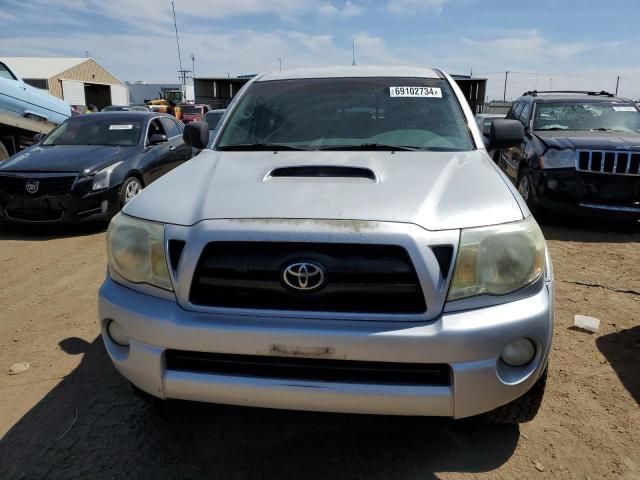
(88, 72)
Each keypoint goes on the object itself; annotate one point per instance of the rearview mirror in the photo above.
(157, 138)
(196, 134)
(505, 133)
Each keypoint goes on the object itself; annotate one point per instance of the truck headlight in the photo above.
(135, 249)
(498, 260)
(102, 179)
(558, 158)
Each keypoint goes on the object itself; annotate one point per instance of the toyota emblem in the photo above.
(304, 276)
(32, 186)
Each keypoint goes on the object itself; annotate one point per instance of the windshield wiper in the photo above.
(247, 147)
(370, 146)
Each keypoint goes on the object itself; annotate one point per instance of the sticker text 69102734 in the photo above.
(426, 92)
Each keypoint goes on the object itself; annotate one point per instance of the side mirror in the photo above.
(196, 134)
(505, 133)
(157, 138)
(38, 137)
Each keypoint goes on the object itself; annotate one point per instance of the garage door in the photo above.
(119, 95)
(73, 92)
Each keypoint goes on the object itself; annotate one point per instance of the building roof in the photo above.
(41, 67)
(350, 72)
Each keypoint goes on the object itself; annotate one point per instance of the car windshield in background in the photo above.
(94, 130)
(190, 109)
(587, 116)
(349, 113)
(212, 119)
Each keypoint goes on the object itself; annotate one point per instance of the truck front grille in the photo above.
(360, 278)
(610, 162)
(47, 184)
(310, 369)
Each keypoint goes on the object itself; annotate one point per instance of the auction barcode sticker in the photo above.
(120, 127)
(426, 92)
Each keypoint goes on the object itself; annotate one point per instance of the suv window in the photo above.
(171, 126)
(6, 73)
(524, 114)
(312, 114)
(515, 111)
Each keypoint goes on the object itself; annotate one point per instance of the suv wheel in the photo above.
(525, 187)
(522, 409)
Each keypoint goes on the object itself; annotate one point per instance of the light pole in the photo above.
(193, 67)
(280, 62)
(504, 95)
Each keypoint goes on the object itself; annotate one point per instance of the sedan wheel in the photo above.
(130, 189)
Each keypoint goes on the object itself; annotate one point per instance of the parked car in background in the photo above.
(580, 154)
(78, 109)
(346, 246)
(18, 98)
(193, 113)
(116, 108)
(212, 119)
(89, 166)
(139, 108)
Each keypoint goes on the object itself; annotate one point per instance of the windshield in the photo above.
(311, 114)
(191, 109)
(623, 117)
(212, 119)
(94, 130)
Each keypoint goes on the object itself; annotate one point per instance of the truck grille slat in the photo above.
(360, 278)
(608, 162)
(310, 369)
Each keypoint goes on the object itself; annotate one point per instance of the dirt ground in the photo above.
(70, 415)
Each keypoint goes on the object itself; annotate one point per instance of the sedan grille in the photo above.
(47, 184)
(359, 278)
(610, 162)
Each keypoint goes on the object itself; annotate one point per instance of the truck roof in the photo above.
(349, 72)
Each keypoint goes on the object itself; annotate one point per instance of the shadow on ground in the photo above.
(586, 229)
(622, 350)
(116, 436)
(35, 232)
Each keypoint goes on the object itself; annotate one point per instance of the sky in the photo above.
(559, 44)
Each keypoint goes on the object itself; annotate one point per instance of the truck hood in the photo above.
(436, 190)
(588, 140)
(65, 158)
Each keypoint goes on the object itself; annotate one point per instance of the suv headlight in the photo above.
(498, 260)
(558, 158)
(101, 180)
(135, 249)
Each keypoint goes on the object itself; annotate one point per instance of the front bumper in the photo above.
(588, 194)
(69, 207)
(469, 342)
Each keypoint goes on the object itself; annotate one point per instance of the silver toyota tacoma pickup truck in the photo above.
(347, 245)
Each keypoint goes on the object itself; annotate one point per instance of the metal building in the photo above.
(474, 89)
(217, 92)
(79, 81)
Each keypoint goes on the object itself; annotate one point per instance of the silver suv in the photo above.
(346, 246)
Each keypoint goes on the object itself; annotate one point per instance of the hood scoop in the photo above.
(322, 171)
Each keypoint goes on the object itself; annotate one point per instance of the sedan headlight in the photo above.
(558, 158)
(135, 249)
(498, 260)
(102, 179)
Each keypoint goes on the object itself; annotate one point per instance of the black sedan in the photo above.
(89, 166)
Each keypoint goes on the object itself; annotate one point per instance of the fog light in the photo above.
(552, 183)
(116, 333)
(519, 352)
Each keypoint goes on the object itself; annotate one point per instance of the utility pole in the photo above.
(181, 71)
(193, 67)
(504, 95)
(617, 85)
(280, 61)
(550, 83)
(353, 52)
